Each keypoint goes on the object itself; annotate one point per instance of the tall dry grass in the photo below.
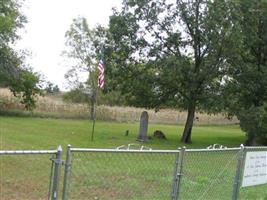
(165, 116)
(50, 106)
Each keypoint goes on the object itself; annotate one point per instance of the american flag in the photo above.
(101, 76)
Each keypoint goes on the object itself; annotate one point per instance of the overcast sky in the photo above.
(48, 20)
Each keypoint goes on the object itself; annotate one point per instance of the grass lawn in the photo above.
(37, 133)
(117, 175)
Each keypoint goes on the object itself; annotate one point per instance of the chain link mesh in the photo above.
(120, 176)
(208, 175)
(24, 176)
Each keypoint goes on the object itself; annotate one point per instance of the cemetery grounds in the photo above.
(28, 177)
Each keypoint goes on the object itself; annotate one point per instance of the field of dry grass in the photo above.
(50, 106)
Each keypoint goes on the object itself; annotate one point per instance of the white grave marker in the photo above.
(255, 170)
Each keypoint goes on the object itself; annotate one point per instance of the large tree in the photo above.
(13, 74)
(168, 53)
(246, 86)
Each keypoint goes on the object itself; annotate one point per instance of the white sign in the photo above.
(255, 170)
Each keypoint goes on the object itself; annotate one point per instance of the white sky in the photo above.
(48, 20)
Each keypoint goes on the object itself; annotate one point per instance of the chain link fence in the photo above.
(27, 175)
(120, 174)
(208, 174)
(214, 174)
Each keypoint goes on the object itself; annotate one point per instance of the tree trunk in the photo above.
(186, 137)
(256, 141)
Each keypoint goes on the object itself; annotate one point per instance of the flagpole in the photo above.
(100, 83)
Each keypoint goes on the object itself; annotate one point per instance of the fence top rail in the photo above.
(257, 147)
(122, 150)
(20, 152)
(150, 151)
(211, 150)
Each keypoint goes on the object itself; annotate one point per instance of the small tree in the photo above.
(26, 86)
(84, 48)
(76, 95)
(51, 88)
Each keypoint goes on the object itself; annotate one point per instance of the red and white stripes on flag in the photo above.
(101, 76)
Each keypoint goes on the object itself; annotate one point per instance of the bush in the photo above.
(254, 122)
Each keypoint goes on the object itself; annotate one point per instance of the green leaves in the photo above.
(246, 86)
(254, 122)
(11, 20)
(26, 87)
(186, 43)
(22, 82)
(174, 54)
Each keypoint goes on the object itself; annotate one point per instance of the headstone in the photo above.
(143, 127)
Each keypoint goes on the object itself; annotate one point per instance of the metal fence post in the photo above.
(51, 176)
(178, 174)
(67, 174)
(236, 185)
(175, 179)
(56, 178)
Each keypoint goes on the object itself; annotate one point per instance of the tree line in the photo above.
(205, 55)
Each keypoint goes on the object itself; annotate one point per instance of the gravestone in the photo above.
(143, 127)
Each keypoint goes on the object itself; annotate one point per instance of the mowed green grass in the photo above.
(38, 133)
(117, 175)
